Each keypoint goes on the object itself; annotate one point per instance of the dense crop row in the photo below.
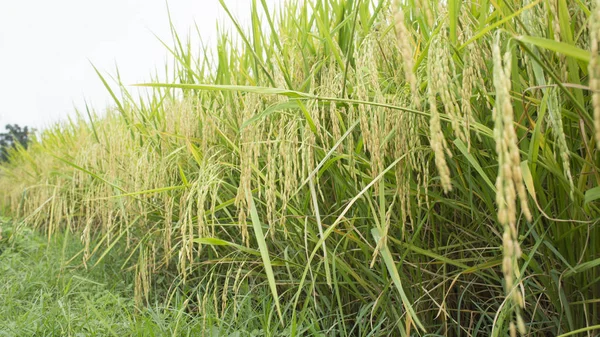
(369, 167)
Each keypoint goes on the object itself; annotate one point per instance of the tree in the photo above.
(14, 135)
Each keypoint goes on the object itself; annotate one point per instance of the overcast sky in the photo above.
(46, 48)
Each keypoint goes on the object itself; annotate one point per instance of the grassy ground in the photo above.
(46, 291)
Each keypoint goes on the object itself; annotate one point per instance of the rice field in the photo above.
(347, 168)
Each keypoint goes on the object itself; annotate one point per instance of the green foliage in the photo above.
(46, 291)
(347, 168)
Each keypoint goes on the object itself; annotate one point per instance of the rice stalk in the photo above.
(509, 183)
(594, 66)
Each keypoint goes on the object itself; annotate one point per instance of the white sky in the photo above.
(46, 48)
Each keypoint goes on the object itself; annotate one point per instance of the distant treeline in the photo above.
(14, 136)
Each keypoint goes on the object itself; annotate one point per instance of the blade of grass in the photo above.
(393, 272)
(264, 252)
(558, 47)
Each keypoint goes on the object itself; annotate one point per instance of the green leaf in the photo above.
(592, 194)
(463, 149)
(264, 252)
(558, 47)
(219, 242)
(528, 179)
(583, 267)
(268, 111)
(497, 24)
(582, 330)
(393, 272)
(231, 88)
(90, 173)
(315, 203)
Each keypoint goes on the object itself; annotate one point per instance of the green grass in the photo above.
(46, 291)
(345, 168)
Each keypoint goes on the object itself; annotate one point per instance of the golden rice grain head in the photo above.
(533, 20)
(509, 182)
(425, 6)
(215, 290)
(335, 80)
(270, 184)
(555, 118)
(444, 86)
(406, 51)
(437, 139)
(521, 324)
(468, 79)
(506, 138)
(249, 139)
(439, 146)
(553, 7)
(368, 82)
(236, 287)
(225, 291)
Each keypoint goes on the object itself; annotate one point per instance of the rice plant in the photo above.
(347, 168)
